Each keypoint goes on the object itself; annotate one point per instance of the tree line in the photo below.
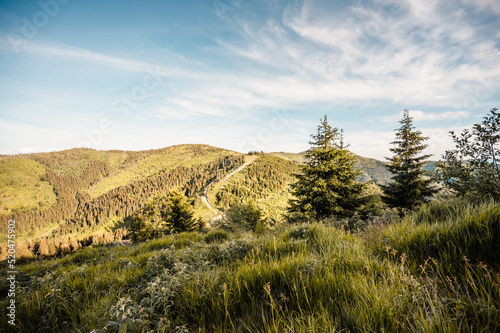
(327, 187)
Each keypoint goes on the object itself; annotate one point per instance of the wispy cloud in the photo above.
(423, 116)
(438, 58)
(418, 53)
(50, 50)
(485, 5)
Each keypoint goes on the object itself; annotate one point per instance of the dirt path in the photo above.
(48, 232)
(204, 199)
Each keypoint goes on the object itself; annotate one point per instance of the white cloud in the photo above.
(492, 6)
(422, 116)
(66, 52)
(422, 55)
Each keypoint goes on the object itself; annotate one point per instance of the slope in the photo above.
(204, 197)
(81, 188)
(266, 182)
(299, 278)
(22, 186)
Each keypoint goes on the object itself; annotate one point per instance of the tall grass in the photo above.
(297, 278)
(448, 231)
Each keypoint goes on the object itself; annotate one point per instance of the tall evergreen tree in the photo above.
(178, 214)
(163, 214)
(327, 183)
(409, 187)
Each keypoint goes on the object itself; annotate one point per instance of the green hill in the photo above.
(81, 190)
(266, 181)
(22, 186)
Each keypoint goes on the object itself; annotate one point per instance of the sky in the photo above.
(243, 74)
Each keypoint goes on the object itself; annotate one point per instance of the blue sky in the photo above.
(241, 74)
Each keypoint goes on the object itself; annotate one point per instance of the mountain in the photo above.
(84, 190)
(371, 169)
(81, 192)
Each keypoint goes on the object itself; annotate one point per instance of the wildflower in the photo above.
(467, 261)
(267, 287)
(403, 258)
(434, 261)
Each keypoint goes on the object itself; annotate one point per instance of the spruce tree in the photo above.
(163, 214)
(408, 188)
(327, 183)
(178, 214)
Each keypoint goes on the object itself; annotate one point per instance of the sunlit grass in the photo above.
(22, 187)
(160, 160)
(295, 278)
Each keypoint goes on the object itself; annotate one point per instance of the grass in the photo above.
(295, 278)
(21, 187)
(296, 158)
(448, 231)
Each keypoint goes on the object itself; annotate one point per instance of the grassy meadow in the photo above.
(22, 186)
(436, 270)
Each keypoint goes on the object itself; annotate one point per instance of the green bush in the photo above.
(216, 236)
(245, 215)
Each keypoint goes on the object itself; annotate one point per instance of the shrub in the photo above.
(216, 236)
(245, 215)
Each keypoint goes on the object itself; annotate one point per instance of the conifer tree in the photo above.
(245, 214)
(163, 214)
(139, 229)
(327, 183)
(178, 214)
(408, 188)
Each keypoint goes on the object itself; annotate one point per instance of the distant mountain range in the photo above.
(371, 169)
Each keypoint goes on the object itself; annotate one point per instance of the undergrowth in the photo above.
(433, 271)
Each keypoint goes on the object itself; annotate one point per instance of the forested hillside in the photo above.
(265, 182)
(64, 190)
(268, 175)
